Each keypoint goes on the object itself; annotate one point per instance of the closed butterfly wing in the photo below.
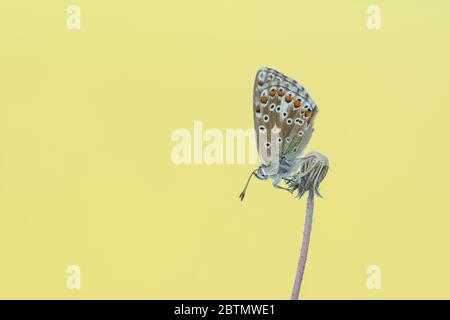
(284, 114)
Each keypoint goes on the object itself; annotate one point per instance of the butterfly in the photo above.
(283, 114)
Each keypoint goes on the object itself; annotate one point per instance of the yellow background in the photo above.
(86, 176)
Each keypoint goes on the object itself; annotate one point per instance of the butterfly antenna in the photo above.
(242, 195)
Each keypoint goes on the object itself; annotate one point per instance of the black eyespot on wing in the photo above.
(299, 121)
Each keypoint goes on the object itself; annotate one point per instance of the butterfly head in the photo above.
(261, 173)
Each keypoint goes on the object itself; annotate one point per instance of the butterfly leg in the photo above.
(276, 183)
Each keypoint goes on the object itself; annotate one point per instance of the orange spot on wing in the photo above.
(258, 108)
(263, 99)
(297, 103)
(273, 92)
(308, 114)
(281, 92)
(288, 98)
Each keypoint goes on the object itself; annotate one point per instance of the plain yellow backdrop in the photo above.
(86, 176)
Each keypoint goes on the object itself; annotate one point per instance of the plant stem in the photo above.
(305, 245)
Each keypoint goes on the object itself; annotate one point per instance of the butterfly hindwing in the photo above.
(283, 107)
